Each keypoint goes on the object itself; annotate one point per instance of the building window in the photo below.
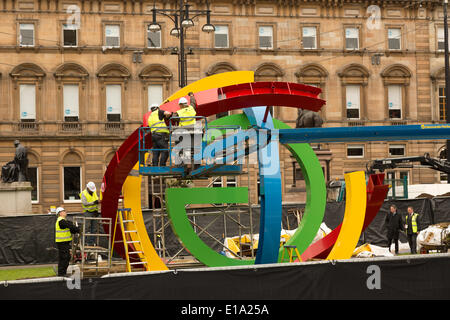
(351, 38)
(27, 102)
(112, 35)
(441, 39)
(442, 106)
(221, 38)
(71, 102)
(33, 177)
(265, 37)
(396, 79)
(309, 37)
(353, 101)
(395, 101)
(403, 174)
(397, 150)
(153, 39)
(26, 35)
(70, 35)
(113, 102)
(231, 182)
(394, 38)
(217, 183)
(72, 183)
(355, 151)
(155, 95)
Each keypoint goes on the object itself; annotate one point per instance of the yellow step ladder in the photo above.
(291, 250)
(130, 236)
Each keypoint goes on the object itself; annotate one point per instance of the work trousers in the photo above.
(91, 227)
(412, 241)
(395, 240)
(63, 257)
(160, 141)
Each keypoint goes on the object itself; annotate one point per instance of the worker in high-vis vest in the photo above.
(411, 229)
(187, 122)
(63, 238)
(186, 113)
(160, 135)
(89, 202)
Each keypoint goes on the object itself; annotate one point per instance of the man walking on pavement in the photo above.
(411, 229)
(63, 238)
(89, 201)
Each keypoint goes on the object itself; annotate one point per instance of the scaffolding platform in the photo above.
(198, 172)
(88, 255)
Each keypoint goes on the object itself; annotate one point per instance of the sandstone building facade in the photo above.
(78, 76)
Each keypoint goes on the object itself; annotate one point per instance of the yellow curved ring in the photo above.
(355, 209)
(131, 189)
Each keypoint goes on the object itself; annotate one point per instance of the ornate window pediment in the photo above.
(155, 72)
(27, 72)
(220, 67)
(268, 71)
(312, 73)
(354, 74)
(114, 71)
(396, 74)
(71, 72)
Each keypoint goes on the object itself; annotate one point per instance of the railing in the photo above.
(144, 131)
(113, 126)
(71, 126)
(28, 126)
(175, 132)
(356, 123)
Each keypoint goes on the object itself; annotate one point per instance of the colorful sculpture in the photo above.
(233, 90)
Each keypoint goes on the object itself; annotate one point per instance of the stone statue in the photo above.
(16, 170)
(21, 160)
(308, 119)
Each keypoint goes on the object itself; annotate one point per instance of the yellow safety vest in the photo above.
(184, 113)
(157, 125)
(62, 235)
(89, 198)
(413, 222)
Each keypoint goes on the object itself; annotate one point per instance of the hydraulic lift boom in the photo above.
(424, 161)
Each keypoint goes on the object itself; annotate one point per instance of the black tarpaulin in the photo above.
(30, 239)
(422, 277)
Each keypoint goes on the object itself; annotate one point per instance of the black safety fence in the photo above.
(414, 277)
(29, 239)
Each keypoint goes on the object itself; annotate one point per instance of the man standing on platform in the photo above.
(187, 122)
(89, 201)
(160, 135)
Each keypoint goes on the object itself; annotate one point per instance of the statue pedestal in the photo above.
(15, 198)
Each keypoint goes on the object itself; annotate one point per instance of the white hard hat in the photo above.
(182, 100)
(91, 186)
(59, 209)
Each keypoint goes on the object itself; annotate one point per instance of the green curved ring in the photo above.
(315, 202)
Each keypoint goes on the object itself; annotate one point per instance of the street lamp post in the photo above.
(182, 20)
(447, 80)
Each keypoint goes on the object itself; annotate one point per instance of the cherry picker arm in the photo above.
(424, 161)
